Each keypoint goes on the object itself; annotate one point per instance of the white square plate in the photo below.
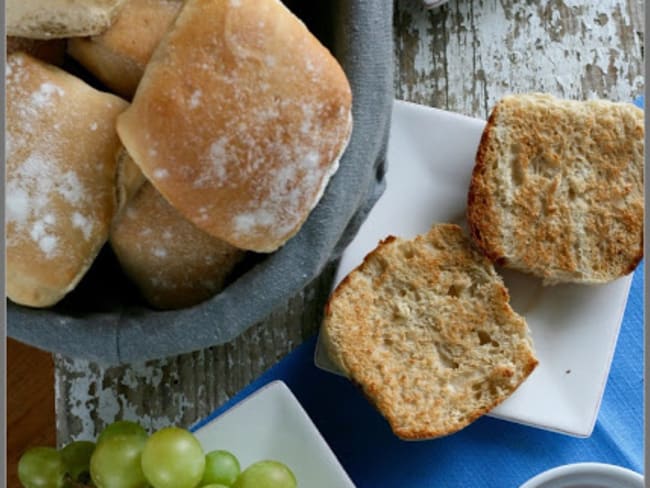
(574, 327)
(271, 424)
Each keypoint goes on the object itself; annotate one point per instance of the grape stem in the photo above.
(70, 483)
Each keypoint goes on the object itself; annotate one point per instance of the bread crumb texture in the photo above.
(557, 189)
(424, 327)
(239, 120)
(60, 149)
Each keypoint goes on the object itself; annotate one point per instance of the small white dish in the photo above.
(574, 327)
(586, 475)
(271, 424)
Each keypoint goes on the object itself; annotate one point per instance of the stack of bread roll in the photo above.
(195, 132)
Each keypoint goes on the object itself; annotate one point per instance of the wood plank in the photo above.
(466, 55)
(30, 403)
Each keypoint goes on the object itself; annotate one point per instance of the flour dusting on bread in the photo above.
(256, 133)
(60, 177)
(173, 263)
(42, 172)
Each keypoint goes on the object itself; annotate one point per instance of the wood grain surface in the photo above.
(466, 55)
(30, 403)
(462, 57)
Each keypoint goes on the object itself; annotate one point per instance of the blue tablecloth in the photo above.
(488, 453)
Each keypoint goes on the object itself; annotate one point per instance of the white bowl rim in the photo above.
(577, 470)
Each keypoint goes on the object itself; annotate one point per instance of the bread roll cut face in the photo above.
(60, 178)
(239, 120)
(557, 188)
(424, 327)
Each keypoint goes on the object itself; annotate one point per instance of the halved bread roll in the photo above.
(118, 56)
(172, 262)
(239, 120)
(49, 19)
(61, 147)
(424, 327)
(557, 189)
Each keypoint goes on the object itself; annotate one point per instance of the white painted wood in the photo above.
(468, 54)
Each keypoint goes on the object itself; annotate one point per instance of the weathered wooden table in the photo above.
(462, 57)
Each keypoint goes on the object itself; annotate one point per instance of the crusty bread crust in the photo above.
(172, 262)
(128, 180)
(557, 189)
(51, 19)
(239, 120)
(479, 199)
(61, 149)
(119, 55)
(425, 329)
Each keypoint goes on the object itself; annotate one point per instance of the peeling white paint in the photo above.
(93, 401)
(165, 392)
(561, 47)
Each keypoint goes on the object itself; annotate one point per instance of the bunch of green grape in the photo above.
(125, 456)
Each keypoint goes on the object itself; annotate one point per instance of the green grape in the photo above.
(41, 467)
(215, 485)
(76, 458)
(121, 428)
(173, 458)
(116, 462)
(266, 474)
(220, 467)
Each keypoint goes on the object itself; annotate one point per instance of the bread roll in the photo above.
(51, 51)
(129, 180)
(239, 120)
(60, 168)
(557, 189)
(173, 263)
(424, 327)
(118, 56)
(48, 19)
